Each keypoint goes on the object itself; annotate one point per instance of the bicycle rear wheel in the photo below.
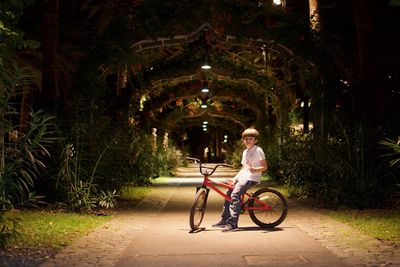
(275, 215)
(198, 209)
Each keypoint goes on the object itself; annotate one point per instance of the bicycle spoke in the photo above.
(269, 208)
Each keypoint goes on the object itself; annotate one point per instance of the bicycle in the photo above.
(267, 207)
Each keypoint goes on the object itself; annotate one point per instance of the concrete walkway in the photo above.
(157, 234)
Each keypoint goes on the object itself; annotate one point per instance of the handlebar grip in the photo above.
(227, 165)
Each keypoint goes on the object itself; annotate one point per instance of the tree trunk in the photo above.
(314, 15)
(50, 92)
(366, 96)
(306, 116)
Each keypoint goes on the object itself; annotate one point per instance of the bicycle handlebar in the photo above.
(198, 161)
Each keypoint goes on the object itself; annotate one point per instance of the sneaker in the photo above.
(230, 228)
(219, 224)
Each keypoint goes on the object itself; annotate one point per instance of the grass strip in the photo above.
(161, 180)
(135, 193)
(52, 229)
(380, 224)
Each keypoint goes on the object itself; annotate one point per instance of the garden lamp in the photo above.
(206, 62)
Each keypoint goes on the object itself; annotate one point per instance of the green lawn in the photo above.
(383, 224)
(53, 229)
(135, 193)
(380, 224)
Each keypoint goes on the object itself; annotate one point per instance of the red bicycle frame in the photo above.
(207, 182)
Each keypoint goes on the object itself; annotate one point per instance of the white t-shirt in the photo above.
(251, 158)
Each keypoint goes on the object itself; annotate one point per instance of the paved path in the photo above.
(157, 234)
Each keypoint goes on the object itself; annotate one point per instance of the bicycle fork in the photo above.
(207, 191)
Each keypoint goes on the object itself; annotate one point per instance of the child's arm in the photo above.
(263, 167)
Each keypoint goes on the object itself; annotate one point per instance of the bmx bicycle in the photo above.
(267, 207)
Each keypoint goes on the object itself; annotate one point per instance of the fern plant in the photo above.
(24, 157)
(22, 151)
(393, 148)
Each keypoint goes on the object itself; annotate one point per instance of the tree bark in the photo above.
(314, 15)
(366, 96)
(49, 93)
(306, 115)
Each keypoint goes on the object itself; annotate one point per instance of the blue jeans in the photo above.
(231, 210)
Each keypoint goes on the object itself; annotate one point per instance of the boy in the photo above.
(253, 164)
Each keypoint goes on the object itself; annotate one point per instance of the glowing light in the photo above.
(205, 122)
(203, 106)
(277, 2)
(299, 127)
(206, 62)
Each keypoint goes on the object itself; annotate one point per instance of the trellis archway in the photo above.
(270, 80)
(166, 76)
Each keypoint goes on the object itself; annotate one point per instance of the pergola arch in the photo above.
(165, 92)
(161, 118)
(158, 85)
(214, 118)
(162, 92)
(224, 40)
(255, 54)
(163, 85)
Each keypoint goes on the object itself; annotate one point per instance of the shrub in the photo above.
(23, 157)
(9, 228)
(392, 153)
(234, 154)
(334, 172)
(170, 158)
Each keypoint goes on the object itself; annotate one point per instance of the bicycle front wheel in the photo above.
(277, 208)
(198, 209)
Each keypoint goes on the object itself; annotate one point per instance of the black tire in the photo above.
(269, 218)
(198, 209)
